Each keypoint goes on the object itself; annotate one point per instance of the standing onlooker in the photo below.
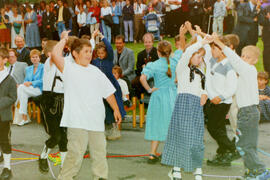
(175, 13)
(196, 12)
(81, 20)
(128, 14)
(116, 13)
(23, 52)
(247, 24)
(95, 10)
(229, 18)
(105, 15)
(4, 29)
(121, 3)
(48, 23)
(219, 13)
(32, 33)
(208, 6)
(264, 20)
(63, 17)
(16, 26)
(139, 9)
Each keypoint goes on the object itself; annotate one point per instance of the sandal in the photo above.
(153, 159)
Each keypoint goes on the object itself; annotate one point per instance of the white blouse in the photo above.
(183, 73)
(106, 11)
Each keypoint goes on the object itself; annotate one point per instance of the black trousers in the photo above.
(216, 115)
(5, 137)
(266, 57)
(52, 113)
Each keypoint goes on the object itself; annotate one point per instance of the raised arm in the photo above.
(237, 63)
(108, 48)
(57, 52)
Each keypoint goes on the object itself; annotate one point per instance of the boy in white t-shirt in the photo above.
(85, 86)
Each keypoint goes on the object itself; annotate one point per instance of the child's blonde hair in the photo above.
(252, 49)
(263, 75)
(165, 49)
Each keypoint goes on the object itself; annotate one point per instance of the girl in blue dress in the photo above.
(104, 62)
(162, 99)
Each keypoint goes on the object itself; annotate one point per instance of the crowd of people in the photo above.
(200, 83)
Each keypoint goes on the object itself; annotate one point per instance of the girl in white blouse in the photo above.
(184, 146)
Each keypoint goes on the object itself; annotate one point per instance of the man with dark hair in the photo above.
(63, 17)
(124, 57)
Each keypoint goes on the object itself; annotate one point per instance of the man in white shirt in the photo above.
(85, 86)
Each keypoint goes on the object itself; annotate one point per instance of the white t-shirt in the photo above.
(84, 90)
(124, 88)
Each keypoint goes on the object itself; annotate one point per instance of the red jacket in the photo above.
(96, 12)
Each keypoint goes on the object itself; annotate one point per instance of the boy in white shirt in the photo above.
(247, 96)
(221, 84)
(85, 86)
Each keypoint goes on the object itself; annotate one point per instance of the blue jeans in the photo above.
(247, 137)
(106, 31)
(128, 26)
(61, 27)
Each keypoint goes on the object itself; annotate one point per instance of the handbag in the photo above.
(108, 20)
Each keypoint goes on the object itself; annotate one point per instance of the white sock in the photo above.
(177, 172)
(197, 174)
(7, 158)
(45, 152)
(63, 156)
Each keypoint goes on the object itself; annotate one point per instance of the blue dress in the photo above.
(106, 65)
(32, 33)
(162, 100)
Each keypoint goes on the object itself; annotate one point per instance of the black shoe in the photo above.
(220, 160)
(234, 155)
(153, 160)
(6, 174)
(101, 179)
(43, 165)
(1, 157)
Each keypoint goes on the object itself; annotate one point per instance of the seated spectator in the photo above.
(16, 69)
(32, 85)
(117, 72)
(149, 54)
(124, 57)
(264, 95)
(43, 45)
(23, 52)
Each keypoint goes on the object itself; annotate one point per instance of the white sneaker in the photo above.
(175, 175)
(23, 122)
(198, 174)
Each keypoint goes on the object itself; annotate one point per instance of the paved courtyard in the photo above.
(30, 138)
